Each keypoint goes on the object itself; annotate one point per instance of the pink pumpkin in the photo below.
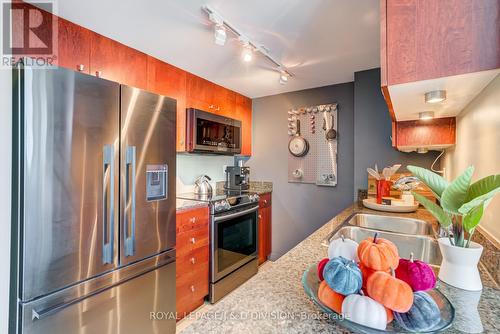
(321, 266)
(418, 274)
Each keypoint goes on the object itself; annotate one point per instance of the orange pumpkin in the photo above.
(366, 273)
(330, 298)
(390, 316)
(390, 291)
(378, 254)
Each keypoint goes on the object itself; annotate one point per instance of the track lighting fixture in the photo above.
(222, 26)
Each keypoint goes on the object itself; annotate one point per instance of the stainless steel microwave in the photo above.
(211, 133)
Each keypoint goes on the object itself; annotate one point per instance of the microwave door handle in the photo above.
(235, 215)
(108, 191)
(130, 166)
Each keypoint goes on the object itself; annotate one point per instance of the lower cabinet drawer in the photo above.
(192, 240)
(191, 290)
(193, 261)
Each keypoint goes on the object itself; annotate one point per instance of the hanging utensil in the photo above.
(298, 145)
(331, 133)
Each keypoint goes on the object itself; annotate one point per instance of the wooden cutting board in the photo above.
(422, 188)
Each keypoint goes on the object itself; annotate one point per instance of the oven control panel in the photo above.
(221, 205)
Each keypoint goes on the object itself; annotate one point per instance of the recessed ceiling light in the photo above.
(220, 35)
(435, 96)
(426, 115)
(247, 53)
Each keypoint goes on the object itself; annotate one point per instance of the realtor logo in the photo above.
(29, 30)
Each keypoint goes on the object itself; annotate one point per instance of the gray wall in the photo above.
(300, 209)
(372, 131)
(364, 139)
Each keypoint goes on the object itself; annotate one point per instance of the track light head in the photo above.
(220, 35)
(247, 53)
(283, 77)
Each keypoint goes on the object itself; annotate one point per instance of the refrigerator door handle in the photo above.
(108, 200)
(130, 162)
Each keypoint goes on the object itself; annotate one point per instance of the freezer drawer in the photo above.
(124, 308)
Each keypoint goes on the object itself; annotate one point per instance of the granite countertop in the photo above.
(185, 204)
(273, 301)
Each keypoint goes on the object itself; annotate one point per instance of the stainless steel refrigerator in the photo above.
(94, 179)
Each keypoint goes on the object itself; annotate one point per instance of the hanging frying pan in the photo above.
(330, 132)
(298, 145)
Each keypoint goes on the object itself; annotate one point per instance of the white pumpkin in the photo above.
(365, 311)
(346, 248)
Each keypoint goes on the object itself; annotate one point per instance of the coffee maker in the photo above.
(237, 177)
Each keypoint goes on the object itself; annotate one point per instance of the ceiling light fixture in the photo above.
(426, 115)
(435, 96)
(247, 53)
(283, 77)
(220, 35)
(250, 47)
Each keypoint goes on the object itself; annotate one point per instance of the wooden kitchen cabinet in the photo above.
(244, 114)
(265, 227)
(117, 62)
(192, 259)
(426, 39)
(73, 46)
(427, 134)
(168, 80)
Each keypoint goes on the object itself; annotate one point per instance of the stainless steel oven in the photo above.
(233, 251)
(211, 133)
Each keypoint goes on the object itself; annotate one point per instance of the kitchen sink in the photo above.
(423, 247)
(392, 224)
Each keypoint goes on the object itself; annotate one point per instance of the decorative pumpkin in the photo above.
(422, 316)
(389, 291)
(378, 253)
(321, 267)
(418, 274)
(330, 298)
(346, 248)
(366, 273)
(365, 311)
(343, 276)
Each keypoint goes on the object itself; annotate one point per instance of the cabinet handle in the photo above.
(193, 260)
(218, 108)
(98, 74)
(260, 216)
(211, 106)
(192, 288)
(193, 240)
(80, 68)
(265, 201)
(192, 220)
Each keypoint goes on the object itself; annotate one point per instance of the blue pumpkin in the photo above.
(343, 276)
(422, 316)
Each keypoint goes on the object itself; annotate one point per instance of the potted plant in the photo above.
(461, 208)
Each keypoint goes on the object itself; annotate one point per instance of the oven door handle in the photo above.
(236, 214)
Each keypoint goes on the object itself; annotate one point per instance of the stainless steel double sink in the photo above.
(410, 235)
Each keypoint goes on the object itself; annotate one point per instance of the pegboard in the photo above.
(319, 165)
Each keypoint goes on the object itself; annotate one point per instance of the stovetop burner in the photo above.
(224, 200)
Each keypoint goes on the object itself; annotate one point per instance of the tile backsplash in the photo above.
(190, 166)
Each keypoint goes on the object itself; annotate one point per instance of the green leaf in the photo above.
(480, 192)
(472, 219)
(432, 180)
(455, 194)
(442, 217)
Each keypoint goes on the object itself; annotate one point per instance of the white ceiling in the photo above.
(321, 41)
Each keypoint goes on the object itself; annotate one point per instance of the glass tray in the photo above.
(311, 282)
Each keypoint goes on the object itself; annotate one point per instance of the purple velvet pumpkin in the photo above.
(418, 274)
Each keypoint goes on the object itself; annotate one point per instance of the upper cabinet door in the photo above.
(117, 62)
(243, 112)
(199, 93)
(170, 81)
(426, 39)
(74, 46)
